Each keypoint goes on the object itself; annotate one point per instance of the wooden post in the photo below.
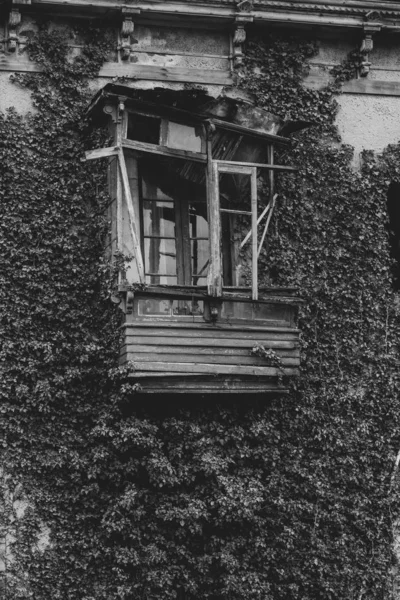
(214, 278)
(271, 175)
(254, 242)
(119, 195)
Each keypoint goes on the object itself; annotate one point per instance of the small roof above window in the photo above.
(225, 113)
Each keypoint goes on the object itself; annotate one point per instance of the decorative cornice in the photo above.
(334, 13)
(361, 9)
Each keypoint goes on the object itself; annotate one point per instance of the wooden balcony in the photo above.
(230, 347)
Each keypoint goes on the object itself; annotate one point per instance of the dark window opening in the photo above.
(235, 207)
(393, 208)
(175, 228)
(144, 129)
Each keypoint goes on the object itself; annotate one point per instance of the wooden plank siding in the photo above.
(167, 356)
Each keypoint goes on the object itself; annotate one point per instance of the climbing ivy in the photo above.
(285, 498)
(331, 240)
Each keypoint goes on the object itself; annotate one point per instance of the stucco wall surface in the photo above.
(368, 122)
(12, 95)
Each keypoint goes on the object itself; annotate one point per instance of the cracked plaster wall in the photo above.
(368, 122)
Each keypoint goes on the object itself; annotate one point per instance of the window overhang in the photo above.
(112, 95)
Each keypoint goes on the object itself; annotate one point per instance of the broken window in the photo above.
(175, 233)
(187, 213)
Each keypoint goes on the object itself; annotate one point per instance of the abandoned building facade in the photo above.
(183, 171)
(192, 171)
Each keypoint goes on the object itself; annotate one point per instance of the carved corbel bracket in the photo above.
(13, 21)
(367, 45)
(239, 37)
(244, 5)
(121, 107)
(130, 297)
(127, 29)
(210, 130)
(112, 111)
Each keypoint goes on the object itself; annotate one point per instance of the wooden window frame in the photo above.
(183, 240)
(213, 170)
(231, 168)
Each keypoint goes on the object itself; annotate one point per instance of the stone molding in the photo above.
(224, 12)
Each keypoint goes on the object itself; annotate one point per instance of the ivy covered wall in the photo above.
(286, 498)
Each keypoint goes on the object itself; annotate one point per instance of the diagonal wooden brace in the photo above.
(133, 219)
(273, 202)
(260, 218)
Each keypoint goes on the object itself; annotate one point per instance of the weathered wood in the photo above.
(206, 378)
(130, 342)
(200, 294)
(260, 218)
(193, 383)
(119, 216)
(157, 73)
(133, 176)
(211, 359)
(254, 242)
(210, 368)
(206, 350)
(214, 275)
(133, 219)
(288, 292)
(113, 176)
(186, 246)
(211, 335)
(228, 166)
(212, 332)
(201, 326)
(237, 212)
(101, 153)
(269, 167)
(160, 320)
(250, 132)
(267, 222)
(226, 388)
(171, 152)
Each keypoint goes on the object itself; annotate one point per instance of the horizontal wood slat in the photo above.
(205, 350)
(212, 342)
(149, 325)
(215, 359)
(275, 324)
(183, 385)
(164, 150)
(210, 368)
(210, 334)
(193, 377)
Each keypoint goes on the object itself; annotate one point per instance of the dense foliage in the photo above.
(286, 498)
